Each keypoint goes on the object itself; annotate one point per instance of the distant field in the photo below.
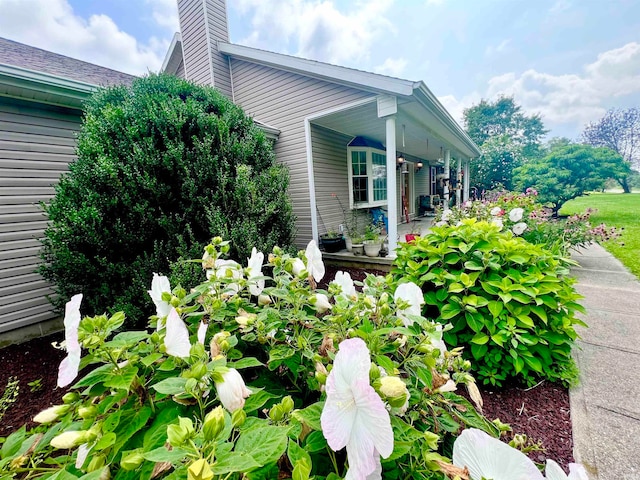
(617, 210)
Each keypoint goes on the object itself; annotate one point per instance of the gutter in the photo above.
(430, 102)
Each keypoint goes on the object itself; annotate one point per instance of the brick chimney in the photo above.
(203, 23)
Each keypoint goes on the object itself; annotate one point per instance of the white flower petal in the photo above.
(298, 266)
(254, 266)
(202, 332)
(515, 215)
(232, 390)
(159, 285)
(519, 228)
(411, 293)
(68, 369)
(347, 288)
(315, 267)
(176, 339)
(83, 452)
(577, 472)
(553, 471)
(488, 457)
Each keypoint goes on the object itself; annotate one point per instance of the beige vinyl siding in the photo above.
(283, 100)
(194, 41)
(180, 70)
(36, 145)
(218, 31)
(331, 176)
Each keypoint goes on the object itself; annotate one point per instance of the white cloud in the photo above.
(165, 13)
(456, 107)
(53, 25)
(317, 29)
(502, 47)
(393, 67)
(569, 98)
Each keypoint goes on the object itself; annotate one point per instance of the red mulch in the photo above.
(542, 412)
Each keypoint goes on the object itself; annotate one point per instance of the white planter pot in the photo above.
(372, 248)
(349, 243)
(357, 249)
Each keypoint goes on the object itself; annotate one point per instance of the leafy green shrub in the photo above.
(172, 402)
(526, 217)
(511, 303)
(163, 166)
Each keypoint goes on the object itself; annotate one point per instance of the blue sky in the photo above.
(568, 60)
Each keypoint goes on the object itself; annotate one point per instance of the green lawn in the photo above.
(617, 210)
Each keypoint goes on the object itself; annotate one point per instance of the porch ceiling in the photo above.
(419, 123)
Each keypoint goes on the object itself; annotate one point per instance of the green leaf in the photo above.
(105, 441)
(456, 288)
(131, 422)
(247, 362)
(315, 442)
(449, 311)
(495, 308)
(98, 375)
(310, 416)
(257, 399)
(126, 339)
(150, 359)
(385, 362)
(265, 445)
(480, 338)
(12, 443)
(121, 379)
(234, 462)
(170, 386)
(534, 363)
(161, 454)
(295, 452)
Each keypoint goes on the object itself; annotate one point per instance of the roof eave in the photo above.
(429, 100)
(323, 71)
(175, 49)
(59, 91)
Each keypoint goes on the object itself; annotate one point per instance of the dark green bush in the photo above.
(511, 303)
(163, 166)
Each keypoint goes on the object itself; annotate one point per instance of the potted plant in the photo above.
(332, 241)
(372, 240)
(415, 232)
(357, 247)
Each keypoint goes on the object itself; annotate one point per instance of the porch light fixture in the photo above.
(419, 166)
(400, 159)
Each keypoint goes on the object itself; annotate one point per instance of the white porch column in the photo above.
(458, 178)
(465, 184)
(392, 200)
(447, 177)
(388, 107)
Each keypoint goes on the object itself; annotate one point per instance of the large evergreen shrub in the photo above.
(163, 166)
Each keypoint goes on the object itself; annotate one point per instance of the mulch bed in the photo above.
(542, 413)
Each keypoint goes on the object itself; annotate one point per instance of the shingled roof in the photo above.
(32, 58)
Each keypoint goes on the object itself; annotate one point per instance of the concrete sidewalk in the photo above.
(605, 407)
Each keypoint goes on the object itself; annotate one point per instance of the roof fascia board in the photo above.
(177, 39)
(66, 92)
(429, 101)
(323, 71)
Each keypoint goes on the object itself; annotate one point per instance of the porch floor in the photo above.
(344, 258)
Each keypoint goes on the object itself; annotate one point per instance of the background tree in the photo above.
(501, 122)
(569, 171)
(618, 130)
(163, 166)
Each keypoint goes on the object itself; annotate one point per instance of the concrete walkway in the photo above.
(605, 407)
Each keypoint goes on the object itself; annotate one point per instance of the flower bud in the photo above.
(178, 434)
(287, 404)
(320, 301)
(213, 424)
(87, 412)
(264, 300)
(71, 439)
(374, 372)
(238, 417)
(395, 391)
(276, 413)
(51, 414)
(232, 390)
(70, 397)
(199, 470)
(96, 463)
(132, 461)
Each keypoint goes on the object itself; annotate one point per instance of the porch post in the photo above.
(392, 209)
(447, 177)
(466, 183)
(458, 178)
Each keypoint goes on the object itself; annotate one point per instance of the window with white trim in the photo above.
(367, 177)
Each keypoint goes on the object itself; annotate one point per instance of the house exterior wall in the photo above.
(283, 100)
(331, 177)
(202, 24)
(36, 145)
(180, 70)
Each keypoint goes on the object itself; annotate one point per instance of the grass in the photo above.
(615, 210)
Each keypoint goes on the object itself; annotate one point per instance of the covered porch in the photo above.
(395, 153)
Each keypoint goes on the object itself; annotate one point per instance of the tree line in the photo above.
(514, 156)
